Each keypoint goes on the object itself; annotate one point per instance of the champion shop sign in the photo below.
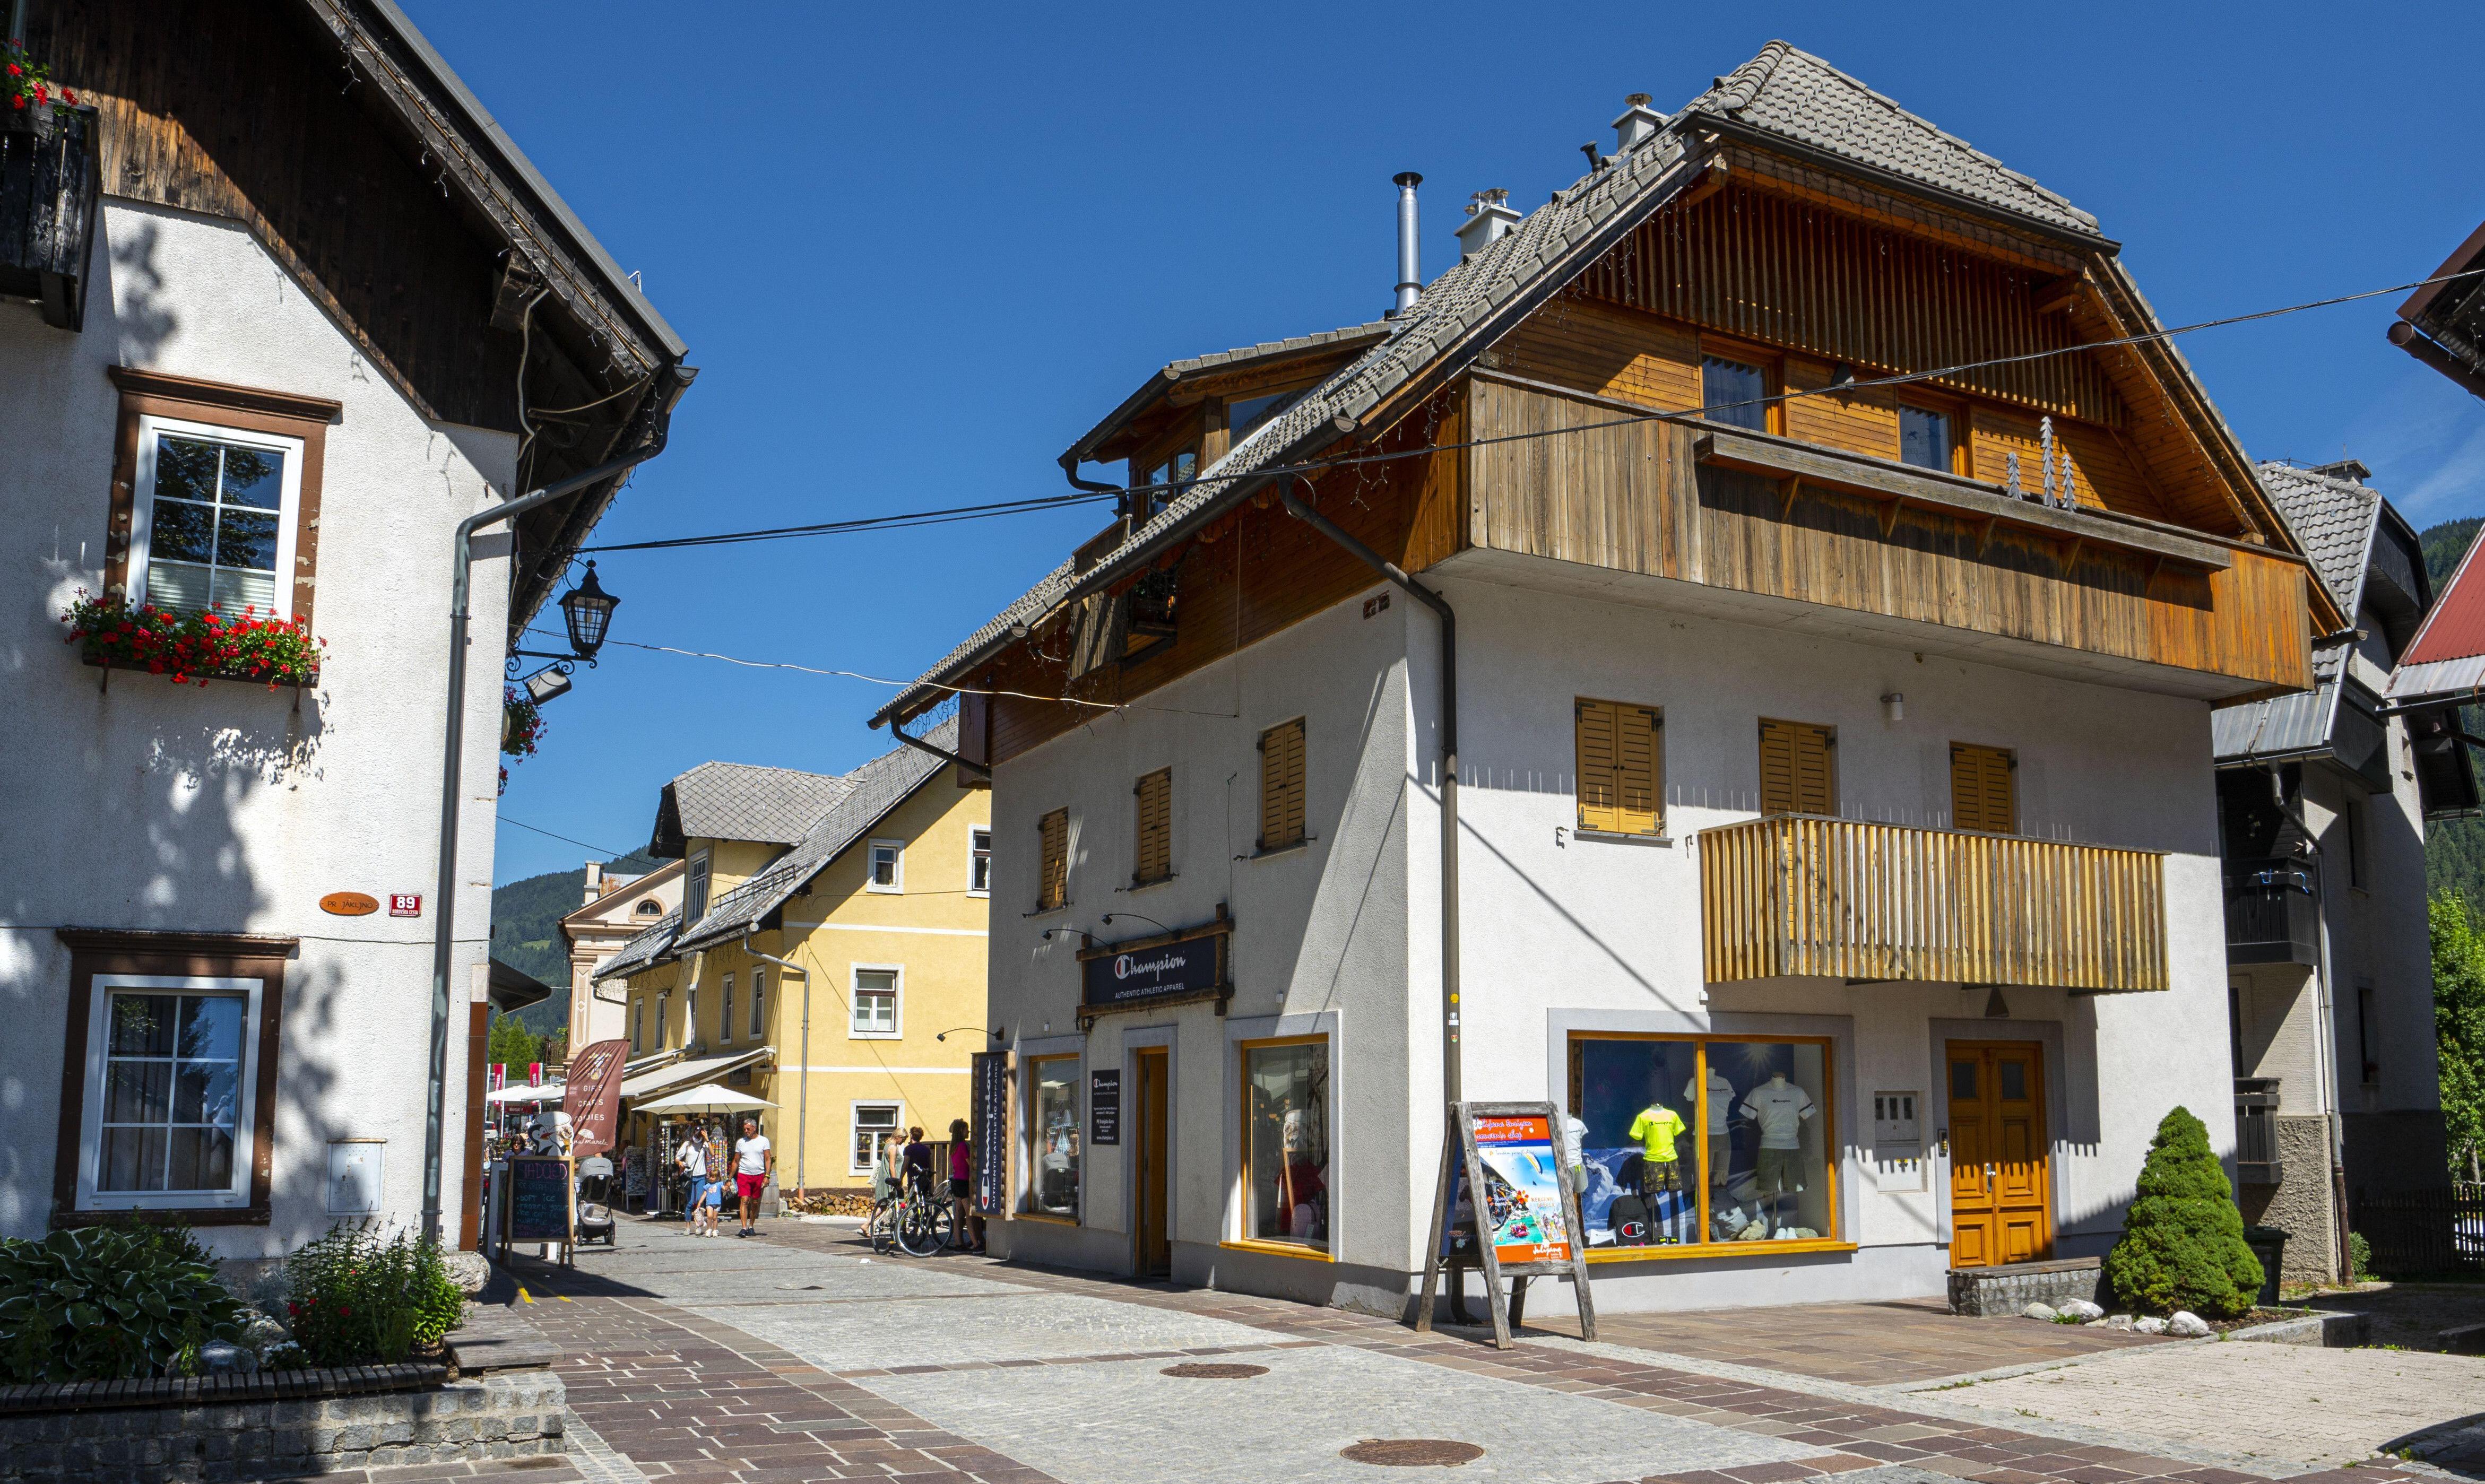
(1191, 963)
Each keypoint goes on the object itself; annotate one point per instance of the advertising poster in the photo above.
(1522, 1190)
(593, 1098)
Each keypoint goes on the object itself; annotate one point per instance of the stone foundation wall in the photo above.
(2299, 1205)
(502, 1414)
(2006, 1290)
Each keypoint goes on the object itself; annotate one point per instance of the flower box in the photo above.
(186, 646)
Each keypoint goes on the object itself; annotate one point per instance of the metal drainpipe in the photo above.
(1453, 1082)
(2326, 1031)
(802, 1094)
(897, 729)
(443, 932)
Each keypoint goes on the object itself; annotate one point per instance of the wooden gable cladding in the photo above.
(1629, 495)
(1799, 274)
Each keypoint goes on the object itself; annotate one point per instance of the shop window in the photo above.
(1053, 1118)
(1982, 794)
(887, 866)
(1621, 765)
(1799, 768)
(1703, 1141)
(875, 1002)
(872, 1123)
(724, 1011)
(1052, 875)
(1735, 393)
(1152, 854)
(979, 863)
(1281, 786)
(758, 1003)
(1285, 1143)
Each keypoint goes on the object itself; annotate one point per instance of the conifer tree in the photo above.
(2182, 1241)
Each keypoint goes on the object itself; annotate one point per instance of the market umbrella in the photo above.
(549, 1092)
(710, 1098)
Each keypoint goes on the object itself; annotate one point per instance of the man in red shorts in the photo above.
(754, 1162)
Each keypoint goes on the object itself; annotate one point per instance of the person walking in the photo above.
(711, 1210)
(754, 1161)
(690, 1158)
(970, 1231)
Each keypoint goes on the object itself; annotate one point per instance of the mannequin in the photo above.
(1780, 1108)
(1658, 1128)
(1721, 1112)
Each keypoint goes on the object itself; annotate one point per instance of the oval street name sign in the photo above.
(348, 904)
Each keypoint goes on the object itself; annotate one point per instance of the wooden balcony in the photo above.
(50, 182)
(1807, 895)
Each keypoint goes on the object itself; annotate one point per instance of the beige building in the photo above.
(618, 908)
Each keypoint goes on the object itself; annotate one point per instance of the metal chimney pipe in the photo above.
(1410, 270)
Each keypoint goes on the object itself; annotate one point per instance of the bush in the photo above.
(2182, 1242)
(356, 1300)
(2359, 1259)
(110, 1304)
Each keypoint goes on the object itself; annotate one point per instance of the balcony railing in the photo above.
(1807, 895)
(2273, 912)
(50, 179)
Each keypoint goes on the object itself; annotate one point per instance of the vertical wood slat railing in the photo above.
(1809, 895)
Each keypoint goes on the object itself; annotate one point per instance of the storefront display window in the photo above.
(1748, 1123)
(1053, 1114)
(1285, 1143)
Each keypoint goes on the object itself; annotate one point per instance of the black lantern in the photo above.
(588, 609)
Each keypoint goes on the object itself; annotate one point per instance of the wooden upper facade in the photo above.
(1781, 388)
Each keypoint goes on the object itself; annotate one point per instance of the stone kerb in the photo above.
(497, 1416)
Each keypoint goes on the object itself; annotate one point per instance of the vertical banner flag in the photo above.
(498, 1076)
(593, 1098)
(535, 1074)
(989, 1130)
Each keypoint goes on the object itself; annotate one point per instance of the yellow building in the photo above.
(827, 957)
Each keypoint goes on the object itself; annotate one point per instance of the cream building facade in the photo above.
(618, 908)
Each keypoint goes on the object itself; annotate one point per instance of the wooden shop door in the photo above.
(1155, 1156)
(2001, 1164)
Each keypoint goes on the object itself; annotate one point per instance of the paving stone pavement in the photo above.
(792, 1359)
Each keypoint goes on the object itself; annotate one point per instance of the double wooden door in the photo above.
(2001, 1167)
(1155, 1157)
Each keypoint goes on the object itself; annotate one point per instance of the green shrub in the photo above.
(2182, 1241)
(2359, 1259)
(110, 1304)
(356, 1300)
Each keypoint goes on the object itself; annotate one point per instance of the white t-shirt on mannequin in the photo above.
(1780, 1108)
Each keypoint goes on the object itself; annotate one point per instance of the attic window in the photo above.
(649, 908)
(1183, 465)
(1247, 416)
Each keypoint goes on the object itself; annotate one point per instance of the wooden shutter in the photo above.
(1154, 857)
(1618, 767)
(1281, 786)
(1797, 773)
(1052, 882)
(1981, 795)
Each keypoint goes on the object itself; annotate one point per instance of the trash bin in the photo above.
(2269, 1245)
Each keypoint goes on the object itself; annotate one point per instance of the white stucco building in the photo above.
(298, 365)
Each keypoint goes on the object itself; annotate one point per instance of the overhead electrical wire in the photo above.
(1170, 489)
(566, 840)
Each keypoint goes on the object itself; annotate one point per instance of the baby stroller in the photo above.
(595, 1223)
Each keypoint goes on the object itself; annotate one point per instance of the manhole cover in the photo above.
(1413, 1453)
(1206, 1372)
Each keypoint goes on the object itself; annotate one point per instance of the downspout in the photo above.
(2326, 1048)
(802, 1094)
(444, 903)
(897, 729)
(1451, 1083)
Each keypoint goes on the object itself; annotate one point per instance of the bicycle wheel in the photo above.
(916, 1235)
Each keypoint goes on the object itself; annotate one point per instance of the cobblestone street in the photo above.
(799, 1357)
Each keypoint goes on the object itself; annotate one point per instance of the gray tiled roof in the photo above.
(646, 949)
(2333, 518)
(872, 790)
(1783, 92)
(746, 801)
(1796, 95)
(1221, 360)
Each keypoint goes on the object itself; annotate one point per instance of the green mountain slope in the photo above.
(2454, 849)
(526, 931)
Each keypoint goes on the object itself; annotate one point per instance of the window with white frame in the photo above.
(758, 1003)
(638, 1023)
(212, 524)
(171, 1089)
(979, 862)
(725, 1013)
(887, 866)
(663, 1018)
(872, 1123)
(689, 1016)
(875, 1001)
(694, 890)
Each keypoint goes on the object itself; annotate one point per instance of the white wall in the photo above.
(225, 809)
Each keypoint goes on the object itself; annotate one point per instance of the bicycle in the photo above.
(920, 1220)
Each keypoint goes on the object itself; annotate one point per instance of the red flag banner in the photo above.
(593, 1098)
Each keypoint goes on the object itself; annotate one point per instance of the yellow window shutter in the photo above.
(1815, 773)
(1777, 768)
(1599, 806)
(1054, 880)
(1153, 859)
(1637, 769)
(1281, 785)
(1980, 792)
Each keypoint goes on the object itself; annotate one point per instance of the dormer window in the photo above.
(1247, 416)
(695, 891)
(1157, 483)
(649, 908)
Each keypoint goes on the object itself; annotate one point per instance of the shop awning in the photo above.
(549, 1092)
(705, 1069)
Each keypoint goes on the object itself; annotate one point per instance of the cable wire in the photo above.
(566, 840)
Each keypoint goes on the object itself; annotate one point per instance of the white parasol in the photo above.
(710, 1098)
(550, 1093)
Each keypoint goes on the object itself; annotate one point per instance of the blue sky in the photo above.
(917, 250)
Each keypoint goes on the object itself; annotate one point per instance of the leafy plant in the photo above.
(2458, 941)
(110, 1304)
(354, 1299)
(200, 646)
(2182, 1241)
(27, 83)
(2359, 1259)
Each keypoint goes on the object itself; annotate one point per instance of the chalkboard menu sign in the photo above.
(989, 1127)
(1105, 1106)
(538, 1207)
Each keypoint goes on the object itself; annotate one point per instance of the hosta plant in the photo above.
(110, 1304)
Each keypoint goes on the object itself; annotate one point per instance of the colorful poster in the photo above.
(1522, 1193)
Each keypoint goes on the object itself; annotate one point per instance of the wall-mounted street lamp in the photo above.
(993, 1031)
(1150, 921)
(587, 612)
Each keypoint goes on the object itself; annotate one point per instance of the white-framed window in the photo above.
(875, 993)
(638, 1023)
(758, 1003)
(695, 889)
(979, 862)
(887, 866)
(725, 1013)
(663, 1018)
(172, 1081)
(213, 519)
(872, 1122)
(689, 1016)
(649, 908)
